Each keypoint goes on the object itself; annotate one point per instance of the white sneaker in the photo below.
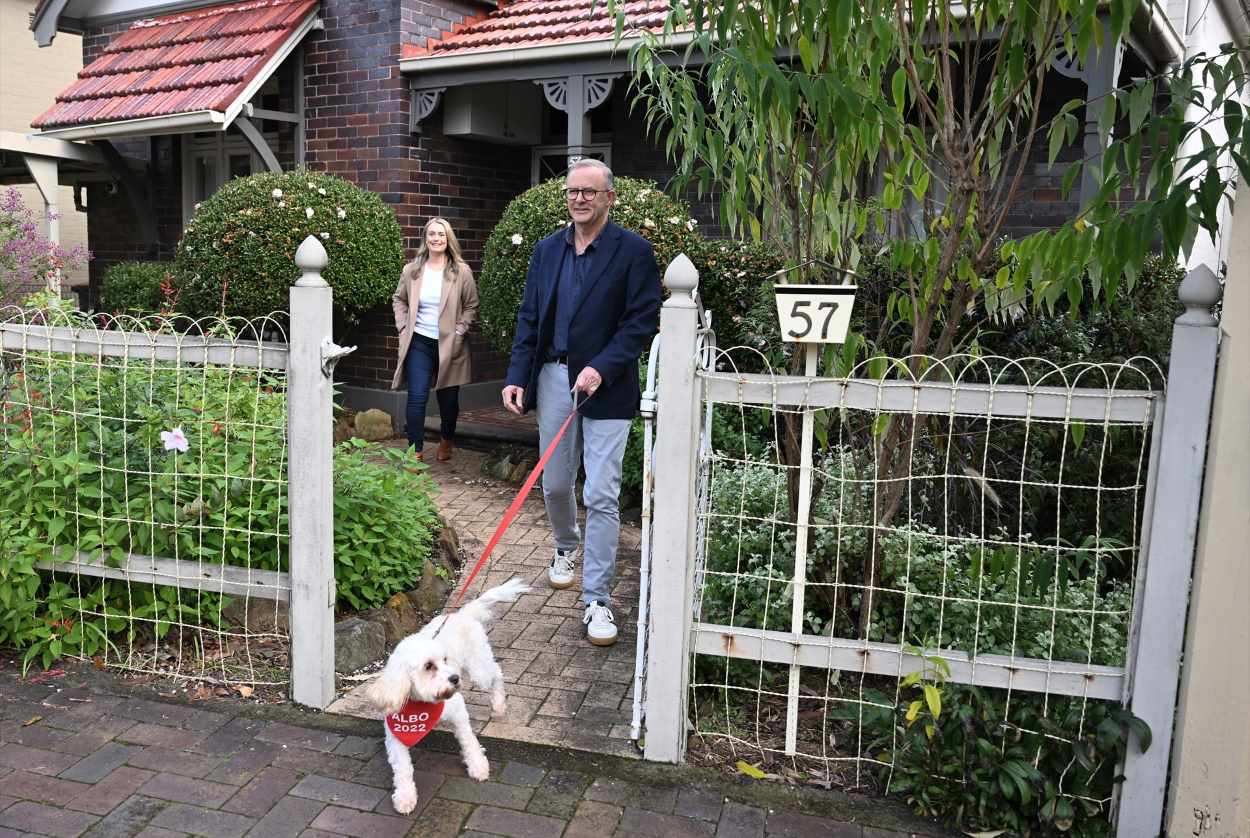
(600, 624)
(563, 565)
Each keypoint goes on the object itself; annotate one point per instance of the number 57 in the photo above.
(797, 312)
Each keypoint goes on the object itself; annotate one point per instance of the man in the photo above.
(590, 308)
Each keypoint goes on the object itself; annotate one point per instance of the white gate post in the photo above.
(672, 565)
(1165, 576)
(310, 476)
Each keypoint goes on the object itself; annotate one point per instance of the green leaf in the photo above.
(933, 697)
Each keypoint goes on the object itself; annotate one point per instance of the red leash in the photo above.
(517, 501)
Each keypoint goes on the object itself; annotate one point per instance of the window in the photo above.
(209, 159)
(550, 161)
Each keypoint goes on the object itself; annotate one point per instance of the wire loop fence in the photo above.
(143, 472)
(974, 526)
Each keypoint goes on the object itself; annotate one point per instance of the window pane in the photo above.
(240, 165)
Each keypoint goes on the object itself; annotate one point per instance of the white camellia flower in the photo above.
(647, 222)
(277, 193)
(674, 220)
(342, 213)
(690, 225)
(325, 236)
(644, 193)
(516, 238)
(282, 203)
(321, 192)
(308, 211)
(175, 440)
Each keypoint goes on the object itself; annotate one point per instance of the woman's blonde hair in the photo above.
(454, 260)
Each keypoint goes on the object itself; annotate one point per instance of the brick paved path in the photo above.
(561, 689)
(88, 754)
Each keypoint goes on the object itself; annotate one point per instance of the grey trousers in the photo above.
(599, 445)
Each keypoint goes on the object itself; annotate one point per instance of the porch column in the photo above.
(577, 95)
(575, 109)
(43, 170)
(1102, 69)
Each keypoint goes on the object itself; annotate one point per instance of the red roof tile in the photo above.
(190, 61)
(534, 23)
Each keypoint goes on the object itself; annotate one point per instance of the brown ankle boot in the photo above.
(444, 450)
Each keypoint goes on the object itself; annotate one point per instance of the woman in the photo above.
(435, 304)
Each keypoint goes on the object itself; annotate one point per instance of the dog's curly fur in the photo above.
(428, 666)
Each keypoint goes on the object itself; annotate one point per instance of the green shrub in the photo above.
(134, 287)
(83, 468)
(237, 256)
(641, 206)
(735, 278)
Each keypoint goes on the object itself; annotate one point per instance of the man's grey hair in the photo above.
(592, 163)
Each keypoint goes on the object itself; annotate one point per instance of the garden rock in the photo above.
(357, 643)
(431, 592)
(256, 614)
(374, 425)
(398, 618)
(447, 549)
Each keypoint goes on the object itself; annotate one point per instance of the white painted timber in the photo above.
(181, 573)
(143, 346)
(1027, 674)
(311, 483)
(935, 397)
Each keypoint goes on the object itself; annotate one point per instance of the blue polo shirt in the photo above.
(573, 271)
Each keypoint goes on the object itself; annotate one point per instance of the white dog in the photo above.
(428, 666)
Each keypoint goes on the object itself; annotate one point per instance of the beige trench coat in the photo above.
(457, 311)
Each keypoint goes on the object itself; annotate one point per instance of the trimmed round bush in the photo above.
(134, 287)
(237, 256)
(640, 206)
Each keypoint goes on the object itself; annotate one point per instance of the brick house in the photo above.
(443, 107)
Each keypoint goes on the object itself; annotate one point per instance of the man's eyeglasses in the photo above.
(586, 194)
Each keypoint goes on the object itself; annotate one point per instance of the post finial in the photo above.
(1200, 291)
(681, 278)
(311, 259)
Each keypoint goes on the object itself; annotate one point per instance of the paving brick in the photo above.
(130, 817)
(427, 784)
(97, 766)
(89, 720)
(488, 793)
(6, 802)
(5, 832)
(161, 736)
(694, 803)
(45, 820)
(441, 819)
(521, 774)
(559, 794)
(513, 824)
(243, 766)
(297, 737)
(197, 791)
(230, 738)
(318, 762)
(37, 760)
(739, 821)
(338, 792)
(287, 818)
(262, 792)
(358, 747)
(41, 787)
(157, 832)
(172, 715)
(794, 825)
(197, 820)
(33, 735)
(641, 822)
(621, 793)
(593, 820)
(175, 762)
(353, 822)
(101, 798)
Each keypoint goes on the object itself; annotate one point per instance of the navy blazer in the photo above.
(617, 314)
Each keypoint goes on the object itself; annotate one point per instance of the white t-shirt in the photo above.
(430, 302)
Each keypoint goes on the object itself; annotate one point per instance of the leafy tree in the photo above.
(821, 124)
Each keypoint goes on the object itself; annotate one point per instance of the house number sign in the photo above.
(814, 313)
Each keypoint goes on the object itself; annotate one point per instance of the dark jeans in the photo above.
(422, 368)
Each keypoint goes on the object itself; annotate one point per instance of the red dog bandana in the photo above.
(411, 724)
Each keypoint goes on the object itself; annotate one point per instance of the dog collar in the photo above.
(412, 723)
